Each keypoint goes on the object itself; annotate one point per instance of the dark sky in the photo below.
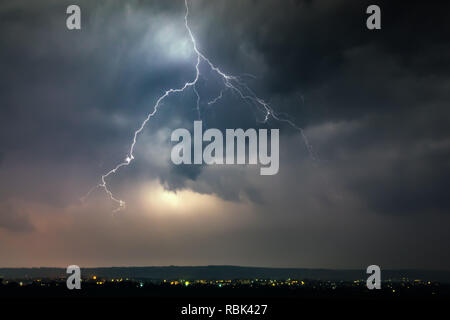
(374, 106)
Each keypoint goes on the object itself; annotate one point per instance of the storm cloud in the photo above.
(373, 104)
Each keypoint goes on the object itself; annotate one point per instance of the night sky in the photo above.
(373, 104)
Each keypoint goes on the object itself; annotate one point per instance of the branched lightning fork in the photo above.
(230, 82)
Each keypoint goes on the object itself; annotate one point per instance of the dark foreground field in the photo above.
(165, 301)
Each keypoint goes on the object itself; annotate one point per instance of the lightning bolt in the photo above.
(230, 82)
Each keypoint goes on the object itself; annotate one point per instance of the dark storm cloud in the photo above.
(76, 97)
(304, 44)
(176, 178)
(405, 187)
(316, 59)
(393, 82)
(374, 105)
